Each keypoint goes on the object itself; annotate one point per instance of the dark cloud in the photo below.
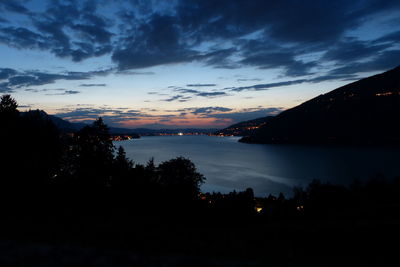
(247, 80)
(23, 38)
(13, 6)
(71, 92)
(41, 78)
(116, 116)
(80, 113)
(93, 112)
(25, 106)
(93, 85)
(180, 98)
(207, 110)
(211, 94)
(4, 88)
(266, 86)
(248, 114)
(187, 91)
(220, 58)
(288, 21)
(25, 80)
(393, 37)
(282, 33)
(68, 29)
(164, 120)
(16, 79)
(67, 92)
(221, 34)
(223, 113)
(94, 33)
(343, 73)
(329, 77)
(5, 73)
(348, 73)
(257, 54)
(353, 50)
(112, 116)
(381, 61)
(128, 72)
(154, 43)
(43, 90)
(201, 85)
(193, 92)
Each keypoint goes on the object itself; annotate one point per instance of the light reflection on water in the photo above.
(228, 164)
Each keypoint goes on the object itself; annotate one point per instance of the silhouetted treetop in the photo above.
(96, 139)
(180, 174)
(8, 106)
(121, 161)
(93, 153)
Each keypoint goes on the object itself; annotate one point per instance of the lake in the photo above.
(229, 165)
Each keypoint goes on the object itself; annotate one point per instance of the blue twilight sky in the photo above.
(188, 63)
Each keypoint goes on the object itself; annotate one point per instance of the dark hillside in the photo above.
(363, 112)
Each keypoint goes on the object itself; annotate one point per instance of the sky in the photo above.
(188, 63)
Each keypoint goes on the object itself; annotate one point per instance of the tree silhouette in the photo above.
(30, 153)
(180, 177)
(9, 160)
(121, 161)
(150, 166)
(122, 169)
(8, 106)
(8, 118)
(151, 172)
(41, 148)
(94, 155)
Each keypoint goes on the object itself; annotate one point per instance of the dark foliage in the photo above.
(67, 189)
(180, 178)
(39, 163)
(31, 150)
(8, 107)
(83, 172)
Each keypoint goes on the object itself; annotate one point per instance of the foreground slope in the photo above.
(362, 112)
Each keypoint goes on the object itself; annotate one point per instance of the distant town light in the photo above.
(300, 208)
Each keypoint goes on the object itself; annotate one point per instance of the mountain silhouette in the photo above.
(72, 127)
(61, 124)
(363, 112)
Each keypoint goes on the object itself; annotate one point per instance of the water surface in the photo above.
(228, 164)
